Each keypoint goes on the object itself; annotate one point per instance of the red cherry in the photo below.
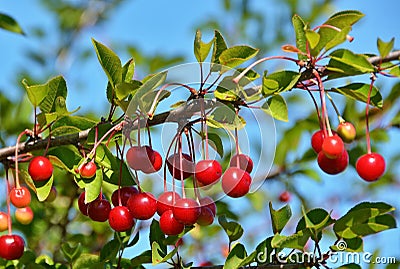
(236, 182)
(125, 193)
(316, 140)
(82, 205)
(284, 197)
(24, 215)
(206, 216)
(99, 210)
(333, 166)
(346, 131)
(40, 169)
(142, 205)
(136, 156)
(121, 219)
(333, 146)
(370, 166)
(153, 162)
(11, 246)
(205, 263)
(209, 202)
(186, 211)
(20, 197)
(3, 221)
(174, 165)
(245, 162)
(207, 172)
(169, 225)
(166, 200)
(88, 170)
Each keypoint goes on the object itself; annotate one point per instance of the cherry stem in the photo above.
(166, 159)
(367, 135)
(324, 113)
(149, 134)
(181, 165)
(138, 128)
(335, 108)
(189, 139)
(120, 169)
(8, 202)
(243, 73)
(204, 123)
(17, 185)
(154, 104)
(136, 179)
(316, 108)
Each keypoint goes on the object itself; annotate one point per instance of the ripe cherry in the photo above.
(206, 216)
(40, 168)
(20, 197)
(236, 182)
(333, 146)
(153, 161)
(186, 211)
(3, 222)
(284, 197)
(370, 166)
(174, 165)
(245, 162)
(121, 219)
(169, 225)
(88, 170)
(316, 140)
(208, 172)
(209, 202)
(11, 246)
(99, 210)
(125, 193)
(166, 200)
(136, 156)
(24, 215)
(82, 205)
(142, 205)
(333, 166)
(346, 131)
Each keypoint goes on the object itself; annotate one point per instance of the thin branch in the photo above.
(395, 55)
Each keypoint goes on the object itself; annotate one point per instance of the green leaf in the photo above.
(87, 261)
(110, 63)
(278, 82)
(364, 219)
(69, 155)
(110, 250)
(344, 63)
(276, 107)
(81, 123)
(338, 38)
(224, 117)
(234, 56)
(122, 90)
(36, 93)
(316, 219)
(156, 235)
(219, 47)
(385, 47)
(93, 186)
(8, 23)
(296, 241)
(157, 254)
(216, 143)
(233, 229)
(301, 39)
(279, 218)
(349, 245)
(201, 49)
(359, 91)
(235, 257)
(144, 257)
(71, 252)
(128, 70)
(312, 38)
(43, 188)
(264, 250)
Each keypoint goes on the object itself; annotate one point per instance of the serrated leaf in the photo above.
(359, 91)
(43, 188)
(276, 107)
(385, 47)
(201, 49)
(10, 24)
(278, 82)
(301, 40)
(235, 56)
(232, 229)
(218, 48)
(344, 63)
(279, 218)
(296, 241)
(71, 252)
(110, 63)
(93, 186)
(235, 257)
(364, 219)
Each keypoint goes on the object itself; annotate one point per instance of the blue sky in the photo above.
(168, 26)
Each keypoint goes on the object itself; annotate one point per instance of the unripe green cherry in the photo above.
(346, 131)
